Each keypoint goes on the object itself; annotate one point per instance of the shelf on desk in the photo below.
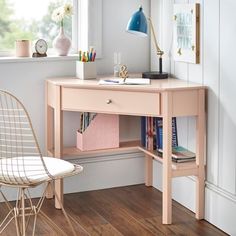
(75, 152)
(179, 169)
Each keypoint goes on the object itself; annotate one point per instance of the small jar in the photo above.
(22, 48)
(117, 64)
(116, 70)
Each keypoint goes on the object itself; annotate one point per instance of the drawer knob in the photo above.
(109, 101)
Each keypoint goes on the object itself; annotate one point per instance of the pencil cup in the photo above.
(86, 70)
(22, 48)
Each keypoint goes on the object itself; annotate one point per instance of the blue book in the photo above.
(159, 133)
(143, 131)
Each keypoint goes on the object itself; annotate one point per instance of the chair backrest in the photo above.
(17, 141)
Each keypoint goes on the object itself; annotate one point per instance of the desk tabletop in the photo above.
(155, 86)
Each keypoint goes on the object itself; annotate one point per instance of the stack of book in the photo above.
(152, 131)
(180, 154)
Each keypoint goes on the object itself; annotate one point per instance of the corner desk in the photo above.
(162, 98)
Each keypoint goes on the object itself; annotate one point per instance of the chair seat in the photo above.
(30, 169)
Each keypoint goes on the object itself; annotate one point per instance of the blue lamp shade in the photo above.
(138, 24)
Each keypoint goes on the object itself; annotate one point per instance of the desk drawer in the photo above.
(108, 101)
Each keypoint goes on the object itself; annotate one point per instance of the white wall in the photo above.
(216, 70)
(25, 79)
(134, 50)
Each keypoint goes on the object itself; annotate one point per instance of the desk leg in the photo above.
(48, 135)
(58, 134)
(200, 153)
(167, 162)
(148, 170)
(49, 143)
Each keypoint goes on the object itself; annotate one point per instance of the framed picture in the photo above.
(186, 33)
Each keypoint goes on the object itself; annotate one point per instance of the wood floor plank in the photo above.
(135, 203)
(105, 230)
(83, 212)
(155, 225)
(58, 217)
(126, 211)
(117, 216)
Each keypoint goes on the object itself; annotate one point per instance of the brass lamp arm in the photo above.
(159, 51)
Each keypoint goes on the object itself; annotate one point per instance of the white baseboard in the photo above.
(220, 210)
(100, 172)
(108, 172)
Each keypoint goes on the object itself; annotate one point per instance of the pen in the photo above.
(94, 56)
(80, 57)
(87, 57)
(111, 81)
(84, 57)
(90, 56)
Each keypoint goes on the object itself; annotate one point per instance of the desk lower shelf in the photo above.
(178, 169)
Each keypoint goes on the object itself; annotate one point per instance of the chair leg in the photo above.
(52, 224)
(17, 222)
(34, 225)
(20, 212)
(23, 211)
(33, 212)
(12, 212)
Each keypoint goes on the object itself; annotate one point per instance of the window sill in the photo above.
(71, 57)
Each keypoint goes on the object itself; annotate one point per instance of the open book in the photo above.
(129, 81)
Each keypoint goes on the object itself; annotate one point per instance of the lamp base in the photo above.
(155, 75)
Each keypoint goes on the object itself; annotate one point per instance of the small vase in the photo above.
(62, 43)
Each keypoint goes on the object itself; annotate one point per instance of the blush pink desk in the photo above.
(163, 98)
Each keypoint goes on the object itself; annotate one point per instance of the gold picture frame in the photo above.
(186, 33)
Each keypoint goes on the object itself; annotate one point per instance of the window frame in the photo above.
(75, 26)
(90, 25)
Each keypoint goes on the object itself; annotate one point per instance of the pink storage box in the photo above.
(102, 133)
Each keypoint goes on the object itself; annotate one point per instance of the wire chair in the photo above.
(22, 165)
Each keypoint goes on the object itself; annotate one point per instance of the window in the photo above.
(31, 19)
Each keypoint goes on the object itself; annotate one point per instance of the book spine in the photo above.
(146, 134)
(154, 133)
(158, 133)
(174, 133)
(143, 131)
(150, 133)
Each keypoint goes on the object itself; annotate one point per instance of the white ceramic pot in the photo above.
(61, 43)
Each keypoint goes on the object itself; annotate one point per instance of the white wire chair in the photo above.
(22, 165)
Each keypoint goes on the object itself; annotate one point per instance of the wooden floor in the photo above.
(134, 210)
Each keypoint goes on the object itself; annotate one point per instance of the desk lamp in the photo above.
(138, 25)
